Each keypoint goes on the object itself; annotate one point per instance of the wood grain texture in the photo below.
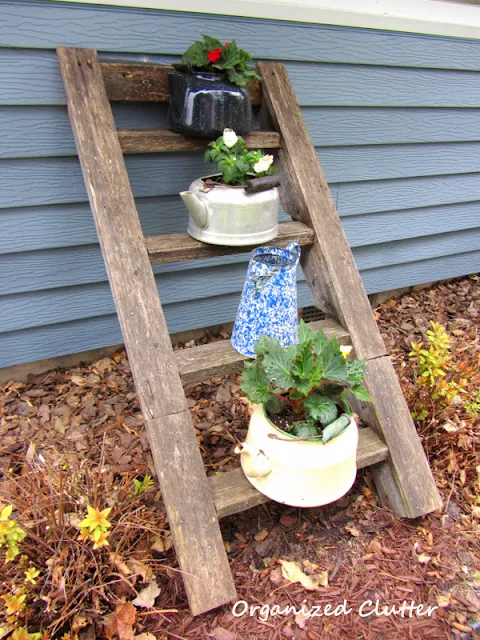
(333, 279)
(328, 265)
(147, 83)
(390, 417)
(120, 235)
(174, 247)
(162, 140)
(30, 77)
(194, 526)
(143, 31)
(45, 130)
(220, 358)
(232, 492)
(191, 512)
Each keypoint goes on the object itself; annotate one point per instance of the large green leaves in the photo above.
(278, 364)
(321, 408)
(332, 365)
(306, 430)
(255, 382)
(361, 393)
(356, 371)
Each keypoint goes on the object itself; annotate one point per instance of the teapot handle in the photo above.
(294, 249)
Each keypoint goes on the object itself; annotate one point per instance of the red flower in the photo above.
(214, 55)
(226, 45)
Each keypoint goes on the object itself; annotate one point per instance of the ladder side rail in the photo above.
(186, 490)
(337, 287)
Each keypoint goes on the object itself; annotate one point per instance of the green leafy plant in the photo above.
(10, 533)
(210, 54)
(142, 486)
(306, 381)
(473, 407)
(437, 380)
(235, 162)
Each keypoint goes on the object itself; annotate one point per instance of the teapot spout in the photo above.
(255, 463)
(197, 209)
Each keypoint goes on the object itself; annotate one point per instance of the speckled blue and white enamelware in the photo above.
(268, 305)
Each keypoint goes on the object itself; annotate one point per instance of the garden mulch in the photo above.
(85, 423)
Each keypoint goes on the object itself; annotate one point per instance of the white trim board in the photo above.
(435, 17)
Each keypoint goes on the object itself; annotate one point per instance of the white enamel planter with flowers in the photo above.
(222, 210)
(302, 440)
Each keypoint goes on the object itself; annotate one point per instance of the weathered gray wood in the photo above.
(180, 246)
(232, 492)
(328, 264)
(191, 512)
(162, 140)
(408, 486)
(220, 358)
(147, 82)
(195, 530)
(335, 283)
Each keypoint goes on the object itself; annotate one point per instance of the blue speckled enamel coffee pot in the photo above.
(269, 299)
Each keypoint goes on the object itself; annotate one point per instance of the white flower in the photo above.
(263, 164)
(229, 138)
(345, 351)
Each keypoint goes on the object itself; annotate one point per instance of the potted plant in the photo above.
(301, 443)
(238, 206)
(208, 90)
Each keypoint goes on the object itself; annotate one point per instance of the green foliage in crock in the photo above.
(308, 379)
(210, 54)
(235, 162)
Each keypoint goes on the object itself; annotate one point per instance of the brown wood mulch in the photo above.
(357, 553)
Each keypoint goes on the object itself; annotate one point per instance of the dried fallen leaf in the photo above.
(120, 623)
(117, 560)
(140, 568)
(293, 573)
(443, 600)
(145, 636)
(223, 634)
(261, 535)
(301, 619)
(146, 597)
(476, 512)
(352, 530)
(287, 520)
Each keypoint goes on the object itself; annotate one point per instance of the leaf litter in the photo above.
(86, 423)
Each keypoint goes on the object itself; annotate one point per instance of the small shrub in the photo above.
(437, 381)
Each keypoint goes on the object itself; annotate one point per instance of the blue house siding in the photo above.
(395, 119)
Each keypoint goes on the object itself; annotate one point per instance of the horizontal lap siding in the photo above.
(395, 119)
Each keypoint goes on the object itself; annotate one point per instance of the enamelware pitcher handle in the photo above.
(294, 249)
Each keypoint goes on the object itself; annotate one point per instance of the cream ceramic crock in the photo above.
(298, 473)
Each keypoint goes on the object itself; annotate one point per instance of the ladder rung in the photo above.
(232, 492)
(158, 140)
(147, 82)
(220, 358)
(174, 247)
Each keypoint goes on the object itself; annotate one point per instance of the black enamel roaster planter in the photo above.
(204, 103)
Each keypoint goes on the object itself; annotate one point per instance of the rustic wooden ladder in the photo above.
(194, 502)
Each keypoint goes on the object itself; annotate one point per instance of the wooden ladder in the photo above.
(194, 503)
